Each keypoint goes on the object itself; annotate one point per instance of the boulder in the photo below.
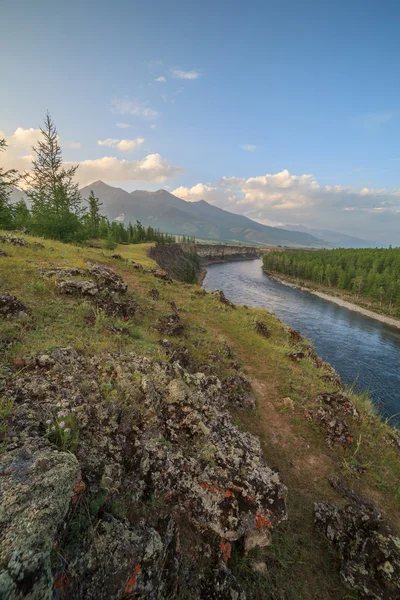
(11, 306)
(368, 548)
(37, 486)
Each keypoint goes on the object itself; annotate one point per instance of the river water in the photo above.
(365, 352)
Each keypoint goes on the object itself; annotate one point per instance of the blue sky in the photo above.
(266, 93)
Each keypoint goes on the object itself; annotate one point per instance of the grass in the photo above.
(301, 564)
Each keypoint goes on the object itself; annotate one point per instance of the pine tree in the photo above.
(7, 180)
(93, 216)
(110, 243)
(56, 201)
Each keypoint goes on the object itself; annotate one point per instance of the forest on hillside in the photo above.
(372, 273)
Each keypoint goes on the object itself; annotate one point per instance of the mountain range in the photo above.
(334, 238)
(162, 210)
(166, 212)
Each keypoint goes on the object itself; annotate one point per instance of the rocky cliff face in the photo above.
(214, 253)
(177, 260)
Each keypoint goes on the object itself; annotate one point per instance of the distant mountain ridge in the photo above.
(335, 238)
(162, 210)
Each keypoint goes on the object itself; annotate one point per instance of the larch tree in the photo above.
(56, 202)
(7, 180)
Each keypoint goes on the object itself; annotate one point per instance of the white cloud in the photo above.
(161, 79)
(284, 198)
(153, 168)
(179, 74)
(122, 145)
(249, 147)
(18, 154)
(73, 145)
(207, 192)
(123, 125)
(125, 106)
(231, 182)
(153, 126)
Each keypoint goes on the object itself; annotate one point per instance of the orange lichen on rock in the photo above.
(262, 521)
(226, 549)
(79, 488)
(229, 494)
(132, 579)
(211, 488)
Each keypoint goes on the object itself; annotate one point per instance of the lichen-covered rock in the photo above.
(329, 416)
(238, 389)
(3, 253)
(369, 550)
(154, 294)
(10, 238)
(152, 439)
(161, 274)
(62, 272)
(79, 287)
(115, 306)
(262, 329)
(11, 306)
(107, 279)
(36, 488)
(219, 294)
(295, 336)
(171, 325)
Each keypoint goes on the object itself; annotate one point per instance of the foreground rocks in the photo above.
(158, 477)
(328, 415)
(11, 306)
(369, 550)
(10, 238)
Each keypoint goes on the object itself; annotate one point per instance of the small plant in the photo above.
(62, 430)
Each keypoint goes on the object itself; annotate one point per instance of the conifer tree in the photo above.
(56, 201)
(93, 216)
(7, 180)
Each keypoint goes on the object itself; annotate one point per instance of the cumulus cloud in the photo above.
(123, 125)
(161, 79)
(249, 147)
(299, 199)
(209, 193)
(126, 106)
(122, 145)
(153, 168)
(180, 74)
(18, 154)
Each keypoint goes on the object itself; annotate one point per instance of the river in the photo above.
(364, 351)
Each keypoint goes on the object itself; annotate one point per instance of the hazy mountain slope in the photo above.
(166, 212)
(334, 237)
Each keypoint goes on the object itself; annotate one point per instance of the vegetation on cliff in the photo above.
(368, 276)
(131, 409)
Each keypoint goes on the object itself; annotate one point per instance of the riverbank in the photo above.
(337, 300)
(175, 401)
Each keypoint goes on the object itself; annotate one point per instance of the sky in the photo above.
(287, 112)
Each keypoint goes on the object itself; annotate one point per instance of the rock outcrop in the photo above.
(369, 550)
(158, 476)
